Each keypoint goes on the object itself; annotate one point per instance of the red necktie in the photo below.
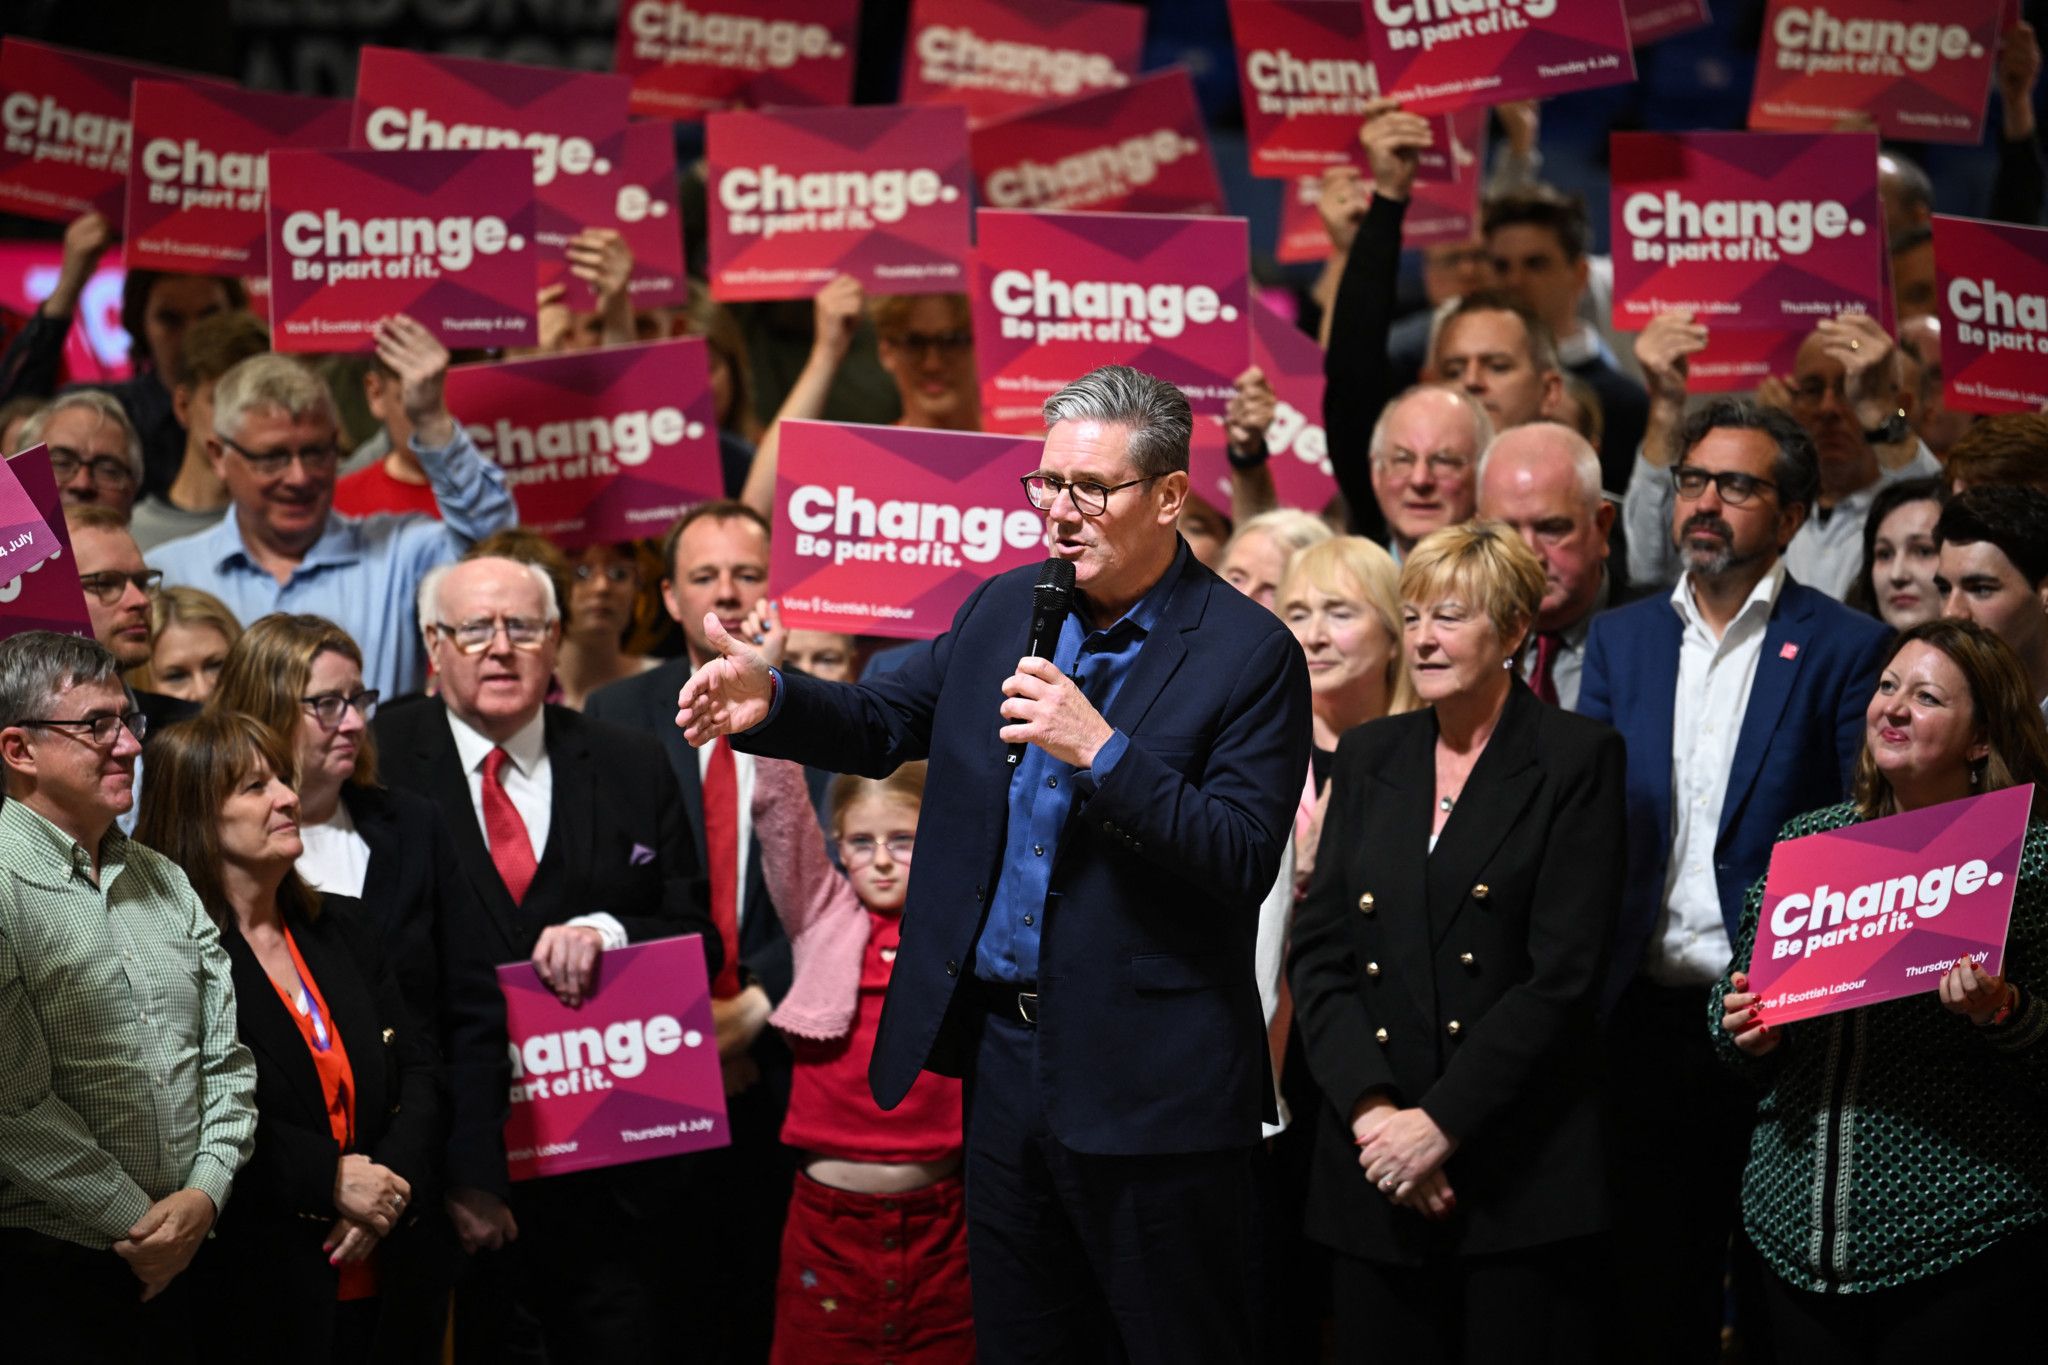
(511, 849)
(1548, 642)
(722, 851)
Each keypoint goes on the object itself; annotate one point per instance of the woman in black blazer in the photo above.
(348, 1115)
(1445, 968)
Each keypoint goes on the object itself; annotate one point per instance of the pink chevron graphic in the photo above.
(1141, 149)
(798, 196)
(1824, 64)
(630, 1076)
(71, 154)
(46, 595)
(886, 530)
(330, 300)
(1881, 910)
(197, 195)
(1993, 279)
(687, 58)
(1788, 228)
(599, 446)
(995, 58)
(1306, 73)
(1433, 57)
(1057, 294)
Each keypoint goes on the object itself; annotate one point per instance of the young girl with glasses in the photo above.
(874, 1253)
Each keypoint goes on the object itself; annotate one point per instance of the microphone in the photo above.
(1051, 599)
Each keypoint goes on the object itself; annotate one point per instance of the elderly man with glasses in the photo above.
(95, 455)
(284, 548)
(126, 1102)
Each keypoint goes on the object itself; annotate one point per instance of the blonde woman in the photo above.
(191, 633)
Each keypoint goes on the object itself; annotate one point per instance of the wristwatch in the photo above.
(1894, 430)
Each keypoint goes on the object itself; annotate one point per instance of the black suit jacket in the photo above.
(616, 843)
(1150, 1035)
(266, 1256)
(412, 860)
(1465, 980)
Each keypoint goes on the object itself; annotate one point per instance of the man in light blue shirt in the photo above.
(282, 547)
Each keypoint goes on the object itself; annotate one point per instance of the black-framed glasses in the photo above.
(107, 471)
(617, 575)
(474, 637)
(1734, 487)
(329, 707)
(102, 729)
(861, 849)
(921, 344)
(109, 584)
(1091, 499)
(320, 459)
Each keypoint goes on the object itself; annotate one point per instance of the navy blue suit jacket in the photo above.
(1797, 749)
(1150, 1034)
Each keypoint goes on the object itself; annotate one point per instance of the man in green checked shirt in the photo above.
(126, 1101)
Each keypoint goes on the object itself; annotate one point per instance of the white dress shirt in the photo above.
(529, 780)
(336, 859)
(1691, 947)
(743, 779)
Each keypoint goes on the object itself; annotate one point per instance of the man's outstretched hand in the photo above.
(731, 693)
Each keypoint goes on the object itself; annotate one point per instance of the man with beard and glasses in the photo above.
(1741, 695)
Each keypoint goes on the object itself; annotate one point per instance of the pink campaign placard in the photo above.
(1436, 55)
(1000, 57)
(43, 595)
(1756, 231)
(1306, 73)
(1915, 72)
(572, 122)
(1882, 910)
(631, 1076)
(1993, 279)
(598, 446)
(886, 530)
(1142, 149)
(1298, 451)
(446, 237)
(1440, 212)
(65, 138)
(798, 196)
(1057, 294)
(649, 214)
(1652, 21)
(26, 539)
(199, 189)
(689, 57)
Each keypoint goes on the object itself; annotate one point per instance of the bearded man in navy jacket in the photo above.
(1078, 940)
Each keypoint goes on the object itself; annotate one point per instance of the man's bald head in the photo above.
(1543, 479)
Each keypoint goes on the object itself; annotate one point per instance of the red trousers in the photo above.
(873, 1278)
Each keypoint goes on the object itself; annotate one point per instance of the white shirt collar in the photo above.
(525, 747)
(1761, 600)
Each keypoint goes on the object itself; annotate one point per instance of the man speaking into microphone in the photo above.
(1078, 939)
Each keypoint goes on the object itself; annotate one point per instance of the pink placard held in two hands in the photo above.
(886, 530)
(1437, 55)
(687, 58)
(1915, 72)
(631, 1076)
(445, 237)
(1058, 294)
(1993, 281)
(1140, 149)
(995, 58)
(1884, 909)
(798, 196)
(598, 446)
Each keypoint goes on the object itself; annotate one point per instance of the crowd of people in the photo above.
(1347, 962)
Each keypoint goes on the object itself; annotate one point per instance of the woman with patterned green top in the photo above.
(1897, 1183)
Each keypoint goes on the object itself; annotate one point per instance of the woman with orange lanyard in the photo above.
(348, 1116)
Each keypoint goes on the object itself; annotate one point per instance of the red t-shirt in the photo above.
(831, 1110)
(371, 490)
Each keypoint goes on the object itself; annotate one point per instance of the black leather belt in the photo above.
(1006, 1001)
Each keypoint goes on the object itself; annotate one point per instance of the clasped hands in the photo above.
(371, 1199)
(1402, 1152)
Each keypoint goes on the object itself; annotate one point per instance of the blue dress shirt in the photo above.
(363, 572)
(1043, 790)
